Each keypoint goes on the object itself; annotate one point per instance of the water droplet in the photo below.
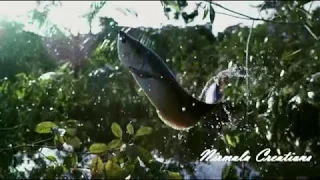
(281, 73)
(310, 94)
(268, 136)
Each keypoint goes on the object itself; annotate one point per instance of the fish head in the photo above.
(132, 53)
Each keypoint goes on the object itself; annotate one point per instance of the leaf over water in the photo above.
(130, 129)
(144, 130)
(74, 142)
(230, 141)
(71, 161)
(98, 148)
(96, 166)
(71, 131)
(116, 143)
(144, 154)
(51, 158)
(45, 127)
(113, 169)
(116, 130)
(174, 175)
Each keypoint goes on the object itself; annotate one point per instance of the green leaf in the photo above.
(98, 148)
(20, 93)
(71, 131)
(58, 141)
(229, 172)
(113, 169)
(55, 140)
(116, 130)
(21, 75)
(130, 129)
(67, 162)
(229, 141)
(96, 166)
(74, 142)
(212, 13)
(116, 143)
(131, 152)
(174, 175)
(205, 13)
(144, 154)
(71, 161)
(74, 159)
(237, 139)
(45, 127)
(173, 4)
(72, 123)
(144, 130)
(51, 158)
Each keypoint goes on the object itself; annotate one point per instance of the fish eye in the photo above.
(122, 39)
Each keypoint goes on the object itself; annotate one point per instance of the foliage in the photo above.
(22, 51)
(117, 159)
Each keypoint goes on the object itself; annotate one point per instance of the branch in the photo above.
(10, 128)
(234, 16)
(28, 145)
(310, 32)
(246, 17)
(249, 17)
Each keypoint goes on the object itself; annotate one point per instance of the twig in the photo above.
(251, 18)
(310, 6)
(247, 64)
(44, 156)
(234, 16)
(311, 33)
(10, 128)
(28, 145)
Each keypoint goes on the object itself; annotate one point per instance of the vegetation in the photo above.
(89, 107)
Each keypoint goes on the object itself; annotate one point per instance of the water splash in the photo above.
(215, 82)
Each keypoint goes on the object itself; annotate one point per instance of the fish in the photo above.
(174, 106)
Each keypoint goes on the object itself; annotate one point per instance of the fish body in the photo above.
(175, 107)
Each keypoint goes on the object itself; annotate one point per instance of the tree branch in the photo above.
(234, 16)
(10, 128)
(28, 145)
(249, 17)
